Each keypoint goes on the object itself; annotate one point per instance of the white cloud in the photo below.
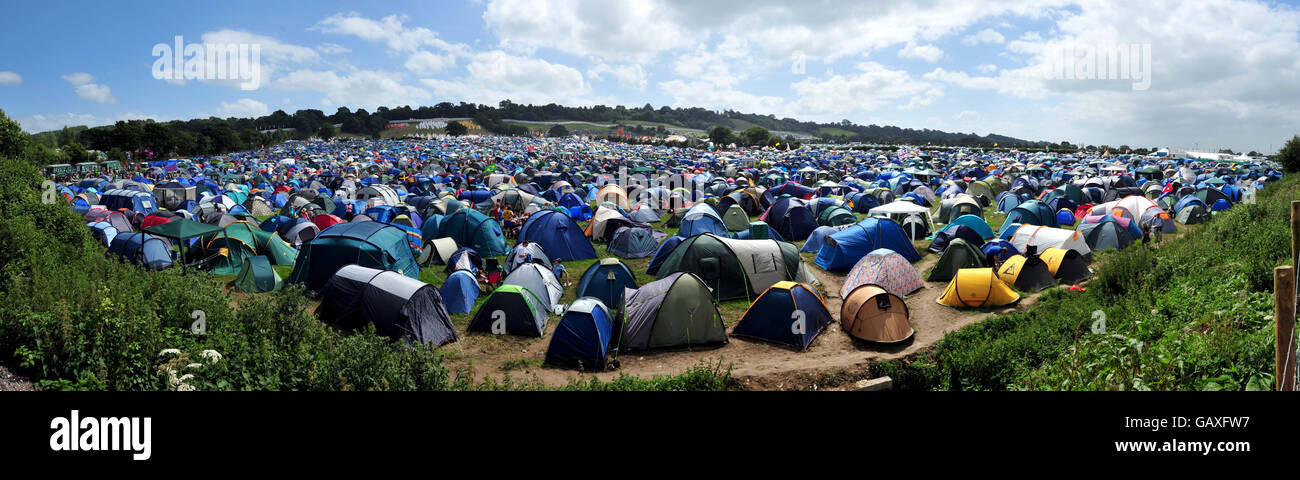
(496, 75)
(426, 63)
(332, 48)
(390, 30)
(929, 53)
(628, 76)
(363, 88)
(872, 87)
(79, 78)
(987, 35)
(10, 78)
(96, 93)
(710, 95)
(243, 108)
(616, 31)
(986, 68)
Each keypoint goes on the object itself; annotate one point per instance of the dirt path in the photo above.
(833, 359)
(11, 382)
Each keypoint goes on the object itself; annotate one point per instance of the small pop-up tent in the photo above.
(873, 314)
(977, 287)
(513, 310)
(258, 276)
(788, 313)
(1027, 274)
(1066, 265)
(957, 256)
(582, 337)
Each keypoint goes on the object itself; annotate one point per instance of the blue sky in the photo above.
(1222, 73)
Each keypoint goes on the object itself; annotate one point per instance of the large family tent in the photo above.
(736, 269)
(1026, 273)
(674, 311)
(959, 255)
(513, 310)
(368, 244)
(871, 313)
(258, 276)
(979, 288)
(633, 242)
(558, 235)
(700, 219)
(787, 313)
(606, 280)
(582, 338)
(142, 249)
(539, 280)
(841, 250)
(791, 218)
(470, 228)
(398, 306)
(1066, 265)
(460, 291)
(1044, 238)
(886, 268)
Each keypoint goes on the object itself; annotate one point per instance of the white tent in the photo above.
(899, 210)
(1048, 237)
(1137, 208)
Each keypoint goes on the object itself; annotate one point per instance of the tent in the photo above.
(900, 210)
(540, 281)
(963, 205)
(1000, 249)
(437, 251)
(470, 228)
(871, 313)
(558, 235)
(643, 213)
(674, 311)
(982, 227)
(460, 291)
(1032, 212)
(843, 249)
(835, 215)
(464, 259)
(595, 281)
(605, 222)
(953, 232)
(787, 313)
(702, 218)
(142, 249)
(735, 218)
(960, 254)
(582, 338)
(662, 252)
(179, 231)
(633, 242)
(258, 276)
(1192, 215)
(613, 193)
(818, 238)
(1107, 235)
(885, 268)
(791, 218)
(527, 252)
(1066, 265)
(1026, 273)
(510, 309)
(399, 307)
(1047, 237)
(979, 288)
(368, 244)
(736, 269)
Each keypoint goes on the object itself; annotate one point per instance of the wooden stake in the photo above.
(1295, 232)
(1284, 323)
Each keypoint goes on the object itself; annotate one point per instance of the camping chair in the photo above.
(495, 273)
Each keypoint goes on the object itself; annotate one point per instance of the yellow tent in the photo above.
(1066, 265)
(1025, 274)
(977, 287)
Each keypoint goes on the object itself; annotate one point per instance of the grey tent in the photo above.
(527, 252)
(301, 233)
(1192, 215)
(673, 312)
(735, 218)
(437, 251)
(539, 280)
(398, 306)
(633, 242)
(1106, 236)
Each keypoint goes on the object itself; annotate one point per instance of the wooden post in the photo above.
(1295, 232)
(1284, 326)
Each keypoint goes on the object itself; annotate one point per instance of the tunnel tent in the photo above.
(1026, 273)
(977, 288)
(871, 313)
(399, 307)
(1046, 237)
(674, 311)
(736, 269)
(513, 310)
(787, 313)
